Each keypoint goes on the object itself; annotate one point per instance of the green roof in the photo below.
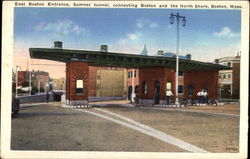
(98, 58)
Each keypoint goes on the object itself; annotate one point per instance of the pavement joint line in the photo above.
(191, 111)
(151, 132)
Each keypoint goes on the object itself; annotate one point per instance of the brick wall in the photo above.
(201, 80)
(136, 79)
(152, 74)
(21, 77)
(77, 70)
(236, 81)
(198, 79)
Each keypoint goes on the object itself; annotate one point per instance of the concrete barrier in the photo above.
(36, 98)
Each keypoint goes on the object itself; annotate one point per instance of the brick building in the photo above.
(229, 80)
(153, 72)
(39, 79)
(21, 78)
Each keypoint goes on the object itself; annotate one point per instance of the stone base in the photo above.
(76, 102)
(63, 99)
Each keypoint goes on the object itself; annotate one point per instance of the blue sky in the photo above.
(209, 34)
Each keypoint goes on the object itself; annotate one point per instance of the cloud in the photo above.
(61, 27)
(226, 32)
(130, 37)
(133, 36)
(141, 23)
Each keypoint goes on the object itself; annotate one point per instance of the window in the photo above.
(128, 74)
(229, 76)
(135, 73)
(190, 89)
(181, 73)
(168, 86)
(224, 76)
(180, 89)
(79, 87)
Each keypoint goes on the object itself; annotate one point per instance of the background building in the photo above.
(39, 80)
(58, 84)
(229, 80)
(22, 77)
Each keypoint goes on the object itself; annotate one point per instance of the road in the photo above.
(51, 127)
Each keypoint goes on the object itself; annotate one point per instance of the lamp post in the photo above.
(17, 78)
(178, 17)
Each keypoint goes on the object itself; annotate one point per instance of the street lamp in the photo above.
(171, 18)
(17, 78)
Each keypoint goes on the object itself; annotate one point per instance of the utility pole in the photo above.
(178, 17)
(17, 78)
(29, 78)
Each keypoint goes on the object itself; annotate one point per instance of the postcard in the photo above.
(124, 79)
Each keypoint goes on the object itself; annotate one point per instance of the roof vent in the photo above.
(104, 48)
(216, 61)
(160, 52)
(58, 44)
(188, 56)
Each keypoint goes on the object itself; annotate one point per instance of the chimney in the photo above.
(216, 61)
(104, 48)
(58, 44)
(188, 56)
(160, 52)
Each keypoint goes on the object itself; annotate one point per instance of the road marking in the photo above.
(149, 131)
(194, 111)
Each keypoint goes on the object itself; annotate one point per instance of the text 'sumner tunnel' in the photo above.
(151, 75)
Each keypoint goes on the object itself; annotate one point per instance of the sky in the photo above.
(208, 34)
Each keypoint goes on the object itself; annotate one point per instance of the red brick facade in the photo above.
(201, 80)
(77, 70)
(152, 74)
(236, 81)
(136, 79)
(197, 80)
(21, 77)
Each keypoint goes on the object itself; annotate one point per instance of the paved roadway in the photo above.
(51, 127)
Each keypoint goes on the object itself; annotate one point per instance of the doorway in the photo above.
(129, 92)
(157, 92)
